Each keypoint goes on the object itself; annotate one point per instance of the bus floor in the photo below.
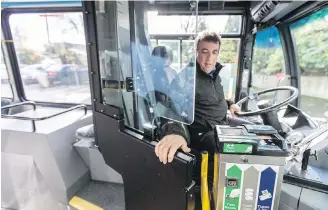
(104, 195)
(111, 196)
(98, 195)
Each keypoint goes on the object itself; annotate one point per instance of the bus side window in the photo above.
(51, 54)
(310, 36)
(6, 90)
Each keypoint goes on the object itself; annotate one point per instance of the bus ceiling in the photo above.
(204, 7)
(260, 11)
(272, 12)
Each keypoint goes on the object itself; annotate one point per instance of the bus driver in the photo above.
(210, 105)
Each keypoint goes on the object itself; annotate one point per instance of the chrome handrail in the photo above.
(20, 104)
(33, 119)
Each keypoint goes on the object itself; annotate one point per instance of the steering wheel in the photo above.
(270, 108)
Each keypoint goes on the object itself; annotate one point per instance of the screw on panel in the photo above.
(86, 12)
(91, 72)
(244, 159)
(94, 99)
(101, 110)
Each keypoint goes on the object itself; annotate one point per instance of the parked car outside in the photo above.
(66, 74)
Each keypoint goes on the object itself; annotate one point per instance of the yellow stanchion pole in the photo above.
(215, 178)
(204, 183)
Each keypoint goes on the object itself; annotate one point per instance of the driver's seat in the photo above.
(86, 132)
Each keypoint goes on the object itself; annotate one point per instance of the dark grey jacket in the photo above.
(210, 104)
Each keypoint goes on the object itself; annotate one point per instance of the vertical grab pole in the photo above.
(204, 183)
(215, 179)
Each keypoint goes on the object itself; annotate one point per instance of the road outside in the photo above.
(315, 107)
(57, 94)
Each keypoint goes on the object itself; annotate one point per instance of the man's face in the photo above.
(207, 55)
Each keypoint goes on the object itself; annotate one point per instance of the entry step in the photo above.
(99, 195)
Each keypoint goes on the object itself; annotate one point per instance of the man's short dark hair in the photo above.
(208, 36)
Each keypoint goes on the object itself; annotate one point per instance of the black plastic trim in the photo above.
(132, 40)
(241, 57)
(91, 37)
(109, 110)
(245, 60)
(133, 157)
(90, 26)
(291, 61)
(306, 183)
(303, 11)
(92, 53)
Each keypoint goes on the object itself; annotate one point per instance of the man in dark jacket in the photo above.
(210, 105)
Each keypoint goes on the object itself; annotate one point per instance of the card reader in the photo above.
(236, 140)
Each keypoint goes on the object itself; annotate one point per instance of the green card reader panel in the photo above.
(236, 140)
(238, 148)
(250, 139)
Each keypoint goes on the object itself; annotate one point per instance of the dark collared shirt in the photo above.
(212, 73)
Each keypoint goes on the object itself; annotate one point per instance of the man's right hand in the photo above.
(166, 148)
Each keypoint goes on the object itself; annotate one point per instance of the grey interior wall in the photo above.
(289, 197)
(59, 170)
(298, 198)
(311, 200)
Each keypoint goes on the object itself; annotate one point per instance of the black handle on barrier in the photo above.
(33, 119)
